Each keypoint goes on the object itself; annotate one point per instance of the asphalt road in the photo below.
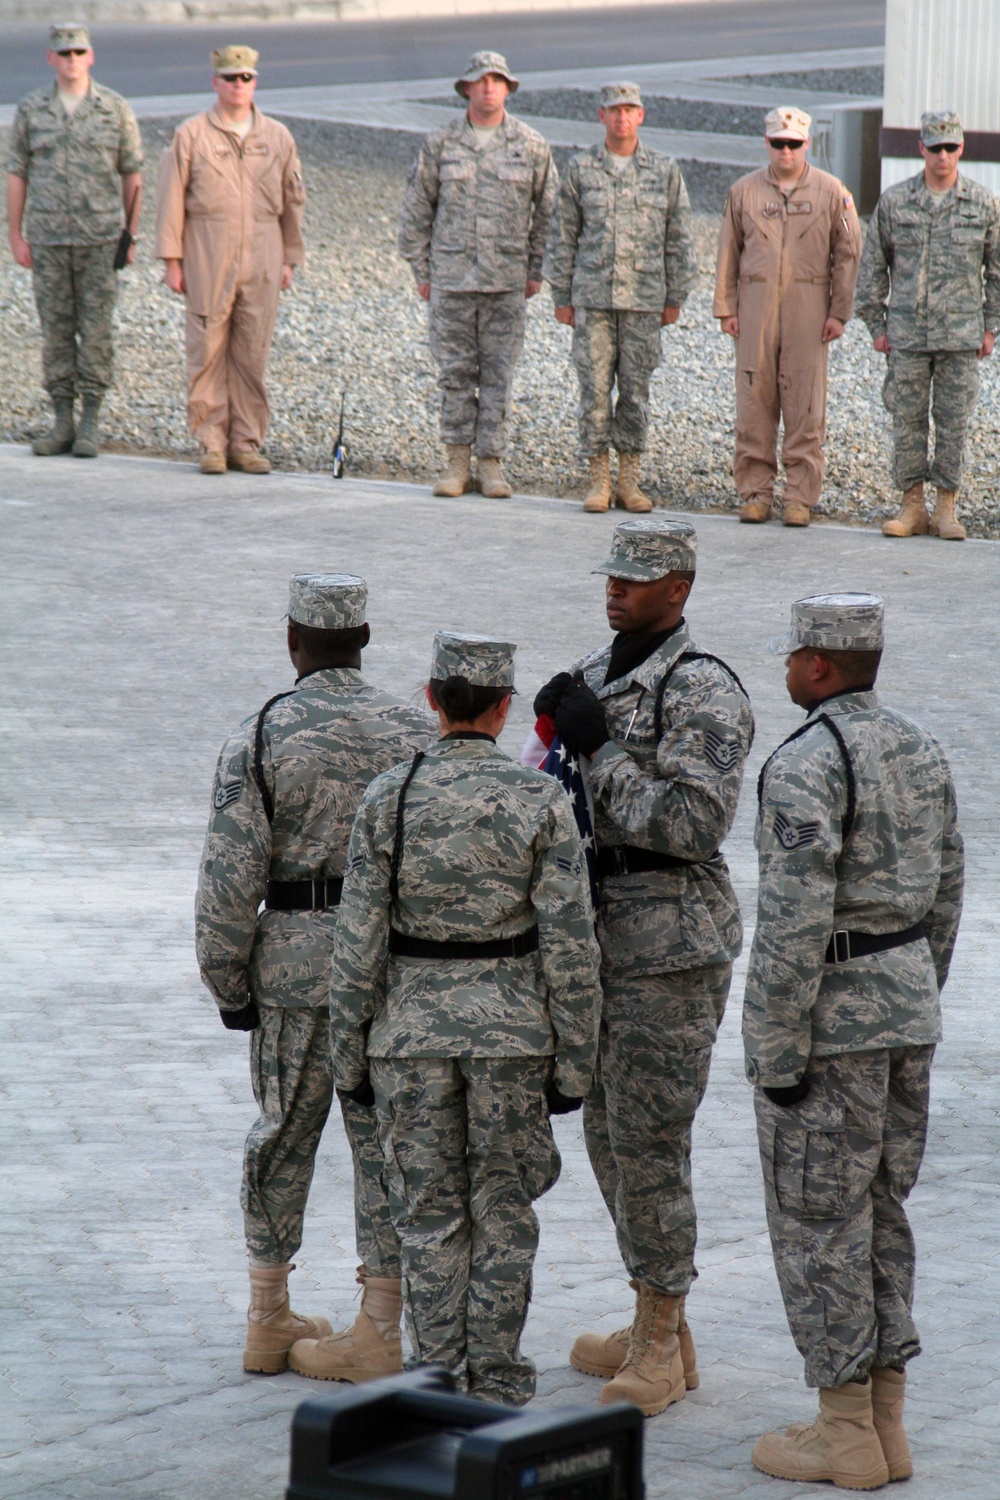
(144, 60)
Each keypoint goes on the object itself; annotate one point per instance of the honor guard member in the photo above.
(929, 294)
(75, 158)
(466, 878)
(620, 261)
(788, 257)
(229, 231)
(859, 901)
(667, 728)
(475, 216)
(287, 787)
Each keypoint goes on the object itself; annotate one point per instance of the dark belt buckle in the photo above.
(841, 947)
(318, 894)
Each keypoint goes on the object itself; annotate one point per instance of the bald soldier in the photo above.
(789, 249)
(229, 231)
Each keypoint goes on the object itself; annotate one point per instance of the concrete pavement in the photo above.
(142, 618)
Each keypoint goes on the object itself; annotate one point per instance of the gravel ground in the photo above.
(661, 113)
(353, 321)
(864, 82)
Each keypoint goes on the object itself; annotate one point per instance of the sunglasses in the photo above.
(73, 52)
(237, 77)
(780, 145)
(950, 146)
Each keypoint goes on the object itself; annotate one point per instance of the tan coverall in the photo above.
(231, 211)
(786, 264)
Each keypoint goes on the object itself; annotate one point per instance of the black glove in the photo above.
(247, 1019)
(364, 1094)
(548, 698)
(580, 721)
(560, 1104)
(794, 1093)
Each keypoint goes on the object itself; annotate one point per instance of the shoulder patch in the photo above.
(226, 793)
(793, 836)
(848, 201)
(723, 754)
(568, 866)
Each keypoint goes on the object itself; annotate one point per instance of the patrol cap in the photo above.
(236, 60)
(620, 93)
(941, 127)
(645, 550)
(794, 124)
(327, 601)
(66, 35)
(834, 622)
(479, 659)
(481, 63)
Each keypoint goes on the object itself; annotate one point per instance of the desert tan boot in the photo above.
(888, 1390)
(604, 1355)
(689, 1359)
(598, 496)
(628, 495)
(371, 1348)
(60, 438)
(794, 513)
(653, 1373)
(912, 519)
(272, 1327)
(456, 477)
(212, 461)
(249, 461)
(840, 1446)
(756, 511)
(944, 523)
(490, 479)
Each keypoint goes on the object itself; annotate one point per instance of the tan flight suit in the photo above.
(231, 210)
(786, 264)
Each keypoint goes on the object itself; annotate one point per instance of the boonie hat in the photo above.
(834, 622)
(645, 550)
(327, 601)
(787, 121)
(620, 93)
(478, 658)
(66, 35)
(941, 127)
(236, 60)
(481, 63)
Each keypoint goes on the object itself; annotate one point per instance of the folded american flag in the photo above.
(545, 751)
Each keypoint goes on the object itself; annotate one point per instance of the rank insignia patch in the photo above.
(224, 795)
(723, 754)
(794, 835)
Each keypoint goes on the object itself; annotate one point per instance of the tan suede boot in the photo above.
(212, 461)
(490, 479)
(59, 439)
(628, 495)
(653, 1373)
(249, 461)
(371, 1348)
(689, 1359)
(794, 513)
(943, 522)
(756, 511)
(912, 519)
(604, 1355)
(598, 496)
(841, 1445)
(456, 477)
(888, 1390)
(272, 1327)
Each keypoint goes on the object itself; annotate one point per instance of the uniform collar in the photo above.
(851, 702)
(802, 182)
(504, 131)
(639, 156)
(215, 118)
(650, 672)
(87, 102)
(332, 677)
(464, 747)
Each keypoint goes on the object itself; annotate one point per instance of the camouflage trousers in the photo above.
(915, 384)
(476, 338)
(75, 289)
(837, 1170)
(613, 346)
(292, 1079)
(468, 1148)
(652, 1072)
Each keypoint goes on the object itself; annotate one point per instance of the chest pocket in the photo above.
(455, 171)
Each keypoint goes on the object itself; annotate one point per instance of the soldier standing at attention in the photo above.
(859, 901)
(286, 790)
(620, 261)
(466, 876)
(929, 294)
(789, 248)
(75, 157)
(667, 728)
(229, 231)
(475, 215)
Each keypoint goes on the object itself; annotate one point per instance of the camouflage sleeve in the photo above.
(727, 265)
(991, 269)
(360, 945)
(873, 277)
(416, 218)
(845, 254)
(546, 191)
(942, 920)
(233, 876)
(679, 265)
(18, 154)
(685, 806)
(564, 238)
(570, 955)
(130, 156)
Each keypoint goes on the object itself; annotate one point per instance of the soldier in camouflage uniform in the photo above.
(620, 261)
(667, 728)
(929, 294)
(473, 225)
(466, 878)
(287, 787)
(858, 908)
(75, 158)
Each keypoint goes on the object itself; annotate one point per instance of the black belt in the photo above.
(629, 859)
(405, 946)
(303, 895)
(844, 946)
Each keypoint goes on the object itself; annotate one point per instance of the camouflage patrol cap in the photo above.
(66, 35)
(479, 659)
(788, 121)
(481, 63)
(236, 60)
(941, 127)
(620, 93)
(327, 601)
(833, 622)
(645, 550)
